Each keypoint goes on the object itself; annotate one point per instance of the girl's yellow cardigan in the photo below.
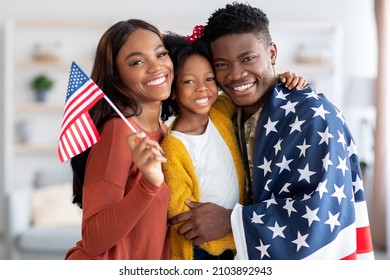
(180, 177)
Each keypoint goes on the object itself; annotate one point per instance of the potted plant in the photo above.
(41, 85)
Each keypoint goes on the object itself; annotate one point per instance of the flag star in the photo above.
(257, 218)
(270, 126)
(263, 249)
(277, 230)
(270, 201)
(281, 95)
(296, 125)
(320, 111)
(339, 193)
(325, 136)
(289, 206)
(332, 220)
(266, 187)
(326, 162)
(289, 107)
(278, 146)
(341, 139)
(311, 215)
(305, 173)
(285, 188)
(342, 165)
(305, 197)
(322, 188)
(311, 94)
(340, 116)
(266, 166)
(303, 148)
(301, 241)
(357, 184)
(352, 149)
(284, 164)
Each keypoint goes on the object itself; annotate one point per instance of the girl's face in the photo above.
(145, 67)
(195, 87)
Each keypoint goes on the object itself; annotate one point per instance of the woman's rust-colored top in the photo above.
(124, 216)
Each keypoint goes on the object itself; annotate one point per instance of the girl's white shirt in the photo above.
(214, 166)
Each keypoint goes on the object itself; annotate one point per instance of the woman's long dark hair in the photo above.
(105, 75)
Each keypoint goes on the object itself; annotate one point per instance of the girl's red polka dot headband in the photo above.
(196, 33)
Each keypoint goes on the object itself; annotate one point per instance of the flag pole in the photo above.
(120, 114)
(123, 118)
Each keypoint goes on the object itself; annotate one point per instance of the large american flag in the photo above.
(308, 186)
(78, 132)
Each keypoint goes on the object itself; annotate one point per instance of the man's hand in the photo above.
(204, 222)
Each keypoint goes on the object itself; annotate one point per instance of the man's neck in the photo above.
(250, 110)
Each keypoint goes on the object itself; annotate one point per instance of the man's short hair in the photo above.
(237, 18)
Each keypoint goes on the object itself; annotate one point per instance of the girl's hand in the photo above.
(292, 80)
(147, 156)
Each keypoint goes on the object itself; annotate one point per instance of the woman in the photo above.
(121, 190)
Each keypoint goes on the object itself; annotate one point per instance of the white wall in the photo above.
(356, 17)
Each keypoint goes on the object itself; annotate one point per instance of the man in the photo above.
(308, 197)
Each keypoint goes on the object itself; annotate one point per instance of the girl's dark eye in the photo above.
(210, 79)
(136, 62)
(188, 81)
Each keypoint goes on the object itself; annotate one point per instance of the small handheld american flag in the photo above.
(78, 132)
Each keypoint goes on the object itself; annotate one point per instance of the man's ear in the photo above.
(273, 52)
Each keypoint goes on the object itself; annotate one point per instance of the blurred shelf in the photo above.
(31, 149)
(302, 26)
(314, 68)
(35, 107)
(50, 64)
(55, 24)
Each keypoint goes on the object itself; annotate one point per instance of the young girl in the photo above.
(121, 190)
(204, 162)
